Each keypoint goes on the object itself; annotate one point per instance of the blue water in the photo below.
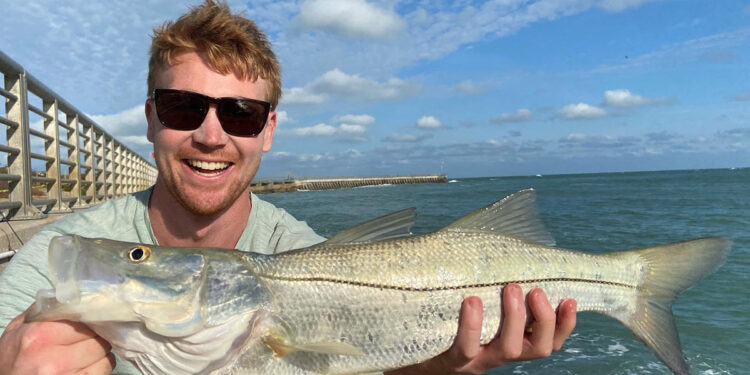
(597, 213)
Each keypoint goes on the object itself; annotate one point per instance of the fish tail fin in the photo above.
(669, 270)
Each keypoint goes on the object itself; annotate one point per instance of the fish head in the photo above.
(165, 309)
(99, 280)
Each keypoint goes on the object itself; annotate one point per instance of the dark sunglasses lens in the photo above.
(180, 110)
(242, 118)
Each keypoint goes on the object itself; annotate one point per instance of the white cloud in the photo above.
(521, 115)
(288, 157)
(429, 122)
(620, 5)
(581, 111)
(282, 117)
(352, 18)
(127, 122)
(133, 141)
(469, 87)
(336, 83)
(298, 95)
(624, 99)
(318, 130)
(355, 119)
(352, 129)
(354, 132)
(406, 138)
(433, 30)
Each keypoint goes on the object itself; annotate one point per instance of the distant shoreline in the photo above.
(293, 184)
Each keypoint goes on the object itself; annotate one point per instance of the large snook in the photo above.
(357, 302)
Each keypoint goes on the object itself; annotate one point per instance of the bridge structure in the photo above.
(53, 157)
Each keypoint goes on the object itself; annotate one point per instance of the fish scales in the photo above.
(408, 302)
(450, 260)
(369, 299)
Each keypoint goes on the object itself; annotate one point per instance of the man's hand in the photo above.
(53, 348)
(548, 332)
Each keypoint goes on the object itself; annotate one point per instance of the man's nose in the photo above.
(210, 133)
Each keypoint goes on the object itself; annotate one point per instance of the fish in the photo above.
(369, 299)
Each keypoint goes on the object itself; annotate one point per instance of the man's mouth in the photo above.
(208, 168)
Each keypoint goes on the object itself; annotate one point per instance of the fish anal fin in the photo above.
(515, 215)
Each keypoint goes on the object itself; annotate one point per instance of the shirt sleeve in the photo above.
(24, 276)
(290, 233)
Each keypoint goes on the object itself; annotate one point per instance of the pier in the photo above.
(327, 183)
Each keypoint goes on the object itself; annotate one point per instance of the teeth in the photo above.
(207, 165)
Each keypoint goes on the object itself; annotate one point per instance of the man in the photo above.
(207, 151)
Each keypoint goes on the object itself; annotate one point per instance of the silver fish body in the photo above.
(355, 304)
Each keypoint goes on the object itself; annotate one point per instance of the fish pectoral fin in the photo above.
(281, 348)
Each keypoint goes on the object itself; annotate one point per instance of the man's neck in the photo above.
(173, 225)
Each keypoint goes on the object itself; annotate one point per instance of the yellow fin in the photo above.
(281, 348)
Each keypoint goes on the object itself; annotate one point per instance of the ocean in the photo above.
(596, 213)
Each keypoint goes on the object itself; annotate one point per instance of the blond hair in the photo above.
(231, 43)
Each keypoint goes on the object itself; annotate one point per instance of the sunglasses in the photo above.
(186, 110)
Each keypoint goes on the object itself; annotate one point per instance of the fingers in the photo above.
(543, 325)
(103, 366)
(87, 352)
(62, 332)
(466, 345)
(510, 342)
(566, 322)
(52, 347)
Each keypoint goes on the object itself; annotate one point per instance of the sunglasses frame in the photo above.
(218, 102)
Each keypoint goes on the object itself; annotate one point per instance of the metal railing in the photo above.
(81, 164)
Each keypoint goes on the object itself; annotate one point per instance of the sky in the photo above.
(466, 88)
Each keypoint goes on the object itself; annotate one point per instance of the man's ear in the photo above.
(268, 131)
(150, 112)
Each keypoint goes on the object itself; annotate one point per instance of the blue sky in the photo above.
(469, 88)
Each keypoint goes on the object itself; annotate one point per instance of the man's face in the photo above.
(206, 170)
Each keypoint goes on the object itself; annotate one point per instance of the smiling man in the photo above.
(213, 86)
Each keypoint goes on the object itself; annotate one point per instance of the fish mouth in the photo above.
(75, 275)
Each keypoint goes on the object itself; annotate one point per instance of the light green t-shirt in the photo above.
(269, 230)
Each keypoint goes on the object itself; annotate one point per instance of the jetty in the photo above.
(292, 184)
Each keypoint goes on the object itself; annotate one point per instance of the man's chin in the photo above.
(206, 204)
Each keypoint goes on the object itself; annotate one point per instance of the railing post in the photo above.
(75, 156)
(92, 189)
(119, 167)
(18, 137)
(128, 174)
(52, 149)
(131, 173)
(101, 173)
(111, 167)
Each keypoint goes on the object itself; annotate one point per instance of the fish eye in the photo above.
(139, 253)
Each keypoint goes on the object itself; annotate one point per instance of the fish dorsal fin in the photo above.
(393, 225)
(515, 215)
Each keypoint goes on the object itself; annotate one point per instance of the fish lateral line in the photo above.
(451, 287)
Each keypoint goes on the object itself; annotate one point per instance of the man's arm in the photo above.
(513, 343)
(42, 347)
